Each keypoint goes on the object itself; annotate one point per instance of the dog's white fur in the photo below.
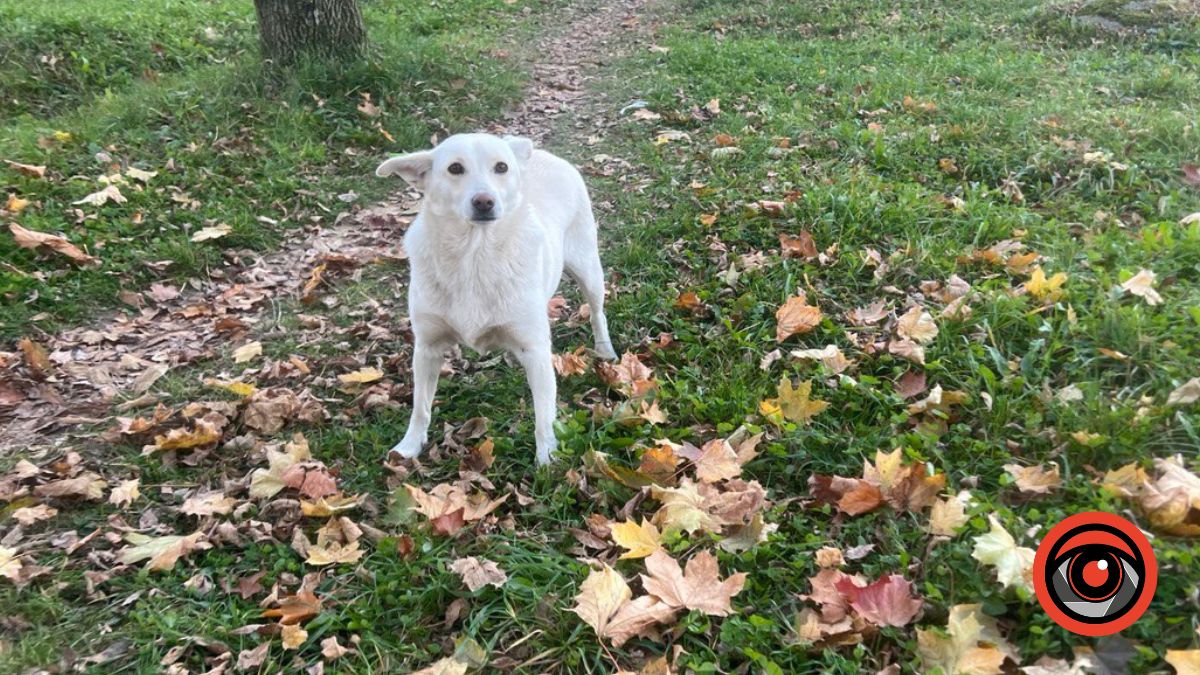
(487, 283)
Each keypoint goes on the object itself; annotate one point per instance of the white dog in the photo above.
(499, 223)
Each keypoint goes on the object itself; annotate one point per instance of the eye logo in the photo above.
(1095, 573)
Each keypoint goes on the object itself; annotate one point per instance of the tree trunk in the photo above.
(289, 28)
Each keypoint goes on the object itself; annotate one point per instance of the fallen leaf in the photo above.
(1045, 289)
(1186, 393)
(247, 352)
(161, 552)
(449, 508)
(16, 204)
(210, 233)
(293, 636)
(1185, 661)
(639, 541)
(331, 650)
(1142, 285)
(1035, 479)
(1013, 564)
(28, 515)
(600, 596)
(10, 564)
(796, 316)
(795, 404)
(295, 609)
(30, 170)
(479, 572)
(208, 504)
(268, 482)
(947, 516)
(35, 358)
(972, 644)
(698, 587)
(334, 553)
(802, 246)
(830, 355)
(252, 659)
(101, 197)
(361, 376)
(888, 601)
(917, 325)
(87, 485)
(31, 239)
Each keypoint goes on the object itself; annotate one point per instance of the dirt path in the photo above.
(86, 375)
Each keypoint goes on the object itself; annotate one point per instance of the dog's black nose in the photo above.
(483, 204)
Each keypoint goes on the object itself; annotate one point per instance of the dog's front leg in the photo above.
(426, 366)
(539, 370)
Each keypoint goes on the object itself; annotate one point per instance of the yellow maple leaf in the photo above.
(639, 540)
(795, 404)
(361, 376)
(1043, 288)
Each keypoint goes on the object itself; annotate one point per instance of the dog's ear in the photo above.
(413, 167)
(521, 147)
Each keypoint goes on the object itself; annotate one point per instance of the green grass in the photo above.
(176, 87)
(1007, 79)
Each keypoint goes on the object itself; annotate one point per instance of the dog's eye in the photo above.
(501, 167)
(456, 169)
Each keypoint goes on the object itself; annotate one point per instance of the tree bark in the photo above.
(289, 28)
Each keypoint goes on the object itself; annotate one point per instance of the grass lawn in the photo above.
(928, 149)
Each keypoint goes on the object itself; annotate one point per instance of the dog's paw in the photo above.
(545, 453)
(605, 351)
(407, 448)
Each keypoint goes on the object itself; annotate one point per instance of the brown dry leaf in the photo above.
(871, 314)
(268, 482)
(1185, 394)
(947, 516)
(210, 233)
(111, 193)
(449, 508)
(917, 325)
(295, 609)
(35, 358)
(717, 461)
(334, 553)
(830, 355)
(907, 349)
(600, 596)
(10, 564)
(28, 515)
(570, 363)
(638, 618)
(904, 487)
(1171, 501)
(639, 541)
(251, 659)
(247, 352)
(802, 246)
(796, 316)
(208, 504)
(1035, 479)
(31, 239)
(698, 587)
(87, 485)
(688, 301)
(30, 170)
(331, 650)
(971, 644)
(479, 572)
(293, 636)
(630, 375)
(684, 508)
(938, 400)
(161, 552)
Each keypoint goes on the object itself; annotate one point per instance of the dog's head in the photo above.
(471, 177)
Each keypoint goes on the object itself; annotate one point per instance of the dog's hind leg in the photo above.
(582, 261)
(427, 365)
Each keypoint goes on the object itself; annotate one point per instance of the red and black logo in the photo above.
(1095, 573)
